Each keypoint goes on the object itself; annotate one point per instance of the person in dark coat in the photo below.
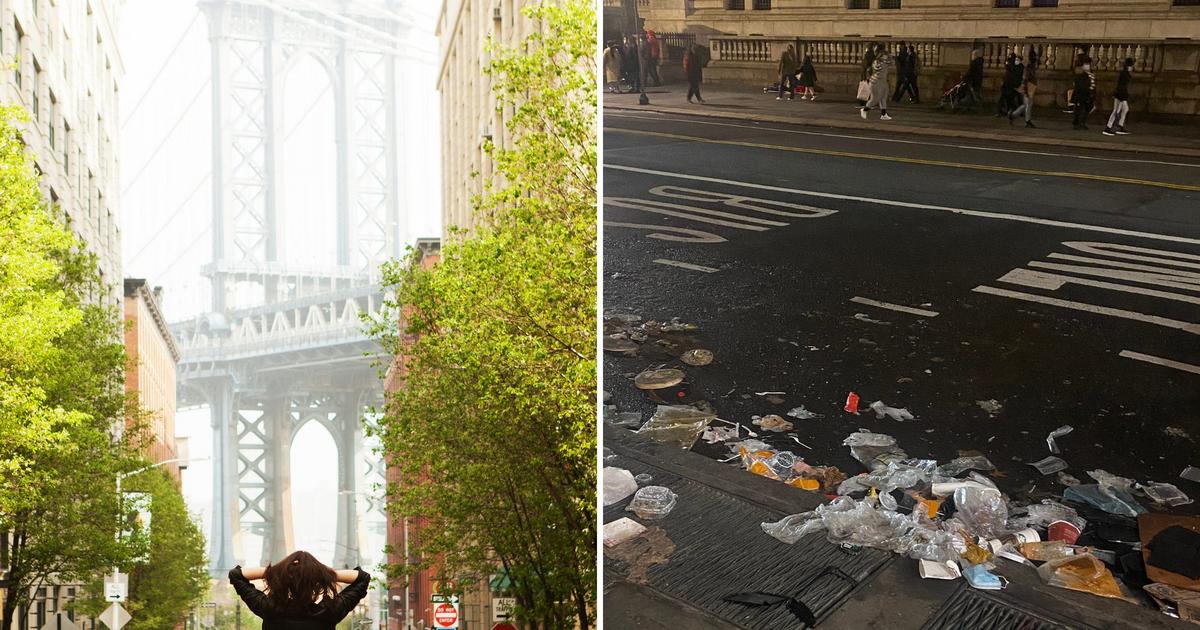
(630, 66)
(901, 70)
(908, 80)
(1084, 95)
(808, 79)
(788, 66)
(1116, 120)
(645, 62)
(302, 593)
(1010, 91)
(693, 67)
(974, 76)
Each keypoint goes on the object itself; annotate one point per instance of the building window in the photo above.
(50, 126)
(1044, 3)
(889, 4)
(20, 52)
(1007, 4)
(762, 5)
(37, 89)
(1187, 3)
(66, 148)
(735, 5)
(858, 4)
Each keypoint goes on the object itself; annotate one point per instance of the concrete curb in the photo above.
(838, 123)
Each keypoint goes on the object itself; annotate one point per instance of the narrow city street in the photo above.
(997, 291)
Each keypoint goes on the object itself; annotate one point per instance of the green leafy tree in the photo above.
(62, 400)
(493, 429)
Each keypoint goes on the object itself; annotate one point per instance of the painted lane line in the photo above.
(1189, 327)
(1138, 356)
(658, 232)
(894, 307)
(687, 212)
(919, 206)
(898, 141)
(1054, 282)
(903, 160)
(683, 265)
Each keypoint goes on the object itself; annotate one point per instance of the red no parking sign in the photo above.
(445, 616)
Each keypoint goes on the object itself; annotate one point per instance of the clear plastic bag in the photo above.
(1083, 572)
(1110, 499)
(618, 484)
(960, 465)
(882, 410)
(1110, 480)
(652, 502)
(1042, 514)
(1165, 494)
(874, 450)
(1043, 551)
(982, 510)
(677, 424)
(794, 527)
(902, 474)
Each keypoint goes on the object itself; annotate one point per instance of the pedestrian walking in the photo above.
(909, 81)
(808, 79)
(974, 76)
(1116, 120)
(301, 594)
(1027, 90)
(881, 68)
(1084, 94)
(1010, 91)
(629, 63)
(644, 62)
(901, 70)
(868, 62)
(612, 66)
(655, 57)
(787, 73)
(693, 67)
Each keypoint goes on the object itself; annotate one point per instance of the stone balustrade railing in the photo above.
(763, 49)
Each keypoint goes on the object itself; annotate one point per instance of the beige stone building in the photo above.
(746, 37)
(153, 356)
(66, 75)
(468, 109)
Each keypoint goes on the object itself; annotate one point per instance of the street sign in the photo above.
(60, 622)
(445, 616)
(502, 608)
(438, 598)
(114, 617)
(116, 587)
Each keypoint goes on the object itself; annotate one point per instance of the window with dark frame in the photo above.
(761, 5)
(1044, 3)
(889, 4)
(1186, 3)
(858, 4)
(1007, 4)
(735, 5)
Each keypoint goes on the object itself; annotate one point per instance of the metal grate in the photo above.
(762, 5)
(1007, 4)
(969, 609)
(889, 4)
(858, 4)
(735, 5)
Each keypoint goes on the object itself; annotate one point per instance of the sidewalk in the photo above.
(839, 111)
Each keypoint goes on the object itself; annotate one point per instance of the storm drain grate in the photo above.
(720, 549)
(970, 609)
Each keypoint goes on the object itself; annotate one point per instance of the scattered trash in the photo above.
(982, 510)
(1165, 494)
(772, 423)
(1186, 603)
(609, 455)
(797, 440)
(1080, 572)
(620, 530)
(881, 410)
(1041, 515)
(933, 570)
(1057, 433)
(1068, 479)
(712, 435)
(1046, 551)
(641, 552)
(627, 419)
(1050, 465)
(992, 406)
(618, 484)
(862, 317)
(1177, 432)
(774, 400)
(851, 403)
(1107, 498)
(1110, 480)
(677, 424)
(873, 449)
(1191, 473)
(800, 413)
(642, 479)
(652, 502)
(770, 393)
(658, 379)
(697, 357)
(620, 344)
(979, 577)
(1064, 531)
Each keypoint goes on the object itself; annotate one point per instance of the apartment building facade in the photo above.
(152, 357)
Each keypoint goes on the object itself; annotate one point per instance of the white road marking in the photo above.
(687, 212)
(1054, 282)
(657, 231)
(1186, 367)
(1163, 257)
(676, 263)
(895, 307)
(919, 206)
(1181, 274)
(1189, 327)
(1157, 279)
(915, 142)
(742, 202)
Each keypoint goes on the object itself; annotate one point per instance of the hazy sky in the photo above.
(166, 212)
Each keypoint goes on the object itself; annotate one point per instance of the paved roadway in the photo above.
(1063, 284)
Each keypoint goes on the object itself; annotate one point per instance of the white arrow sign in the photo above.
(115, 617)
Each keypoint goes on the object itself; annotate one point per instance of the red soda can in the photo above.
(852, 403)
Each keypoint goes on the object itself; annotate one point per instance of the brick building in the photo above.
(152, 357)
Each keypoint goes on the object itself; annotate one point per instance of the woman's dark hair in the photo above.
(298, 582)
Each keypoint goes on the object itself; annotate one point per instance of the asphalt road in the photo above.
(1065, 285)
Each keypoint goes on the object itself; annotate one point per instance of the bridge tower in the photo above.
(284, 345)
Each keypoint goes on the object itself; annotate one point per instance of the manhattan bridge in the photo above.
(282, 342)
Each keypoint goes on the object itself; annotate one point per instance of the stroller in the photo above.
(958, 96)
(774, 87)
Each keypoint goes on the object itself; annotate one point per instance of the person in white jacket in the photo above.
(881, 70)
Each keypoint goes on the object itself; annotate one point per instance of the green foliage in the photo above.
(494, 428)
(62, 400)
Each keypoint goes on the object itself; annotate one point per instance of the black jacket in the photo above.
(975, 73)
(324, 616)
(1085, 87)
(1123, 85)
